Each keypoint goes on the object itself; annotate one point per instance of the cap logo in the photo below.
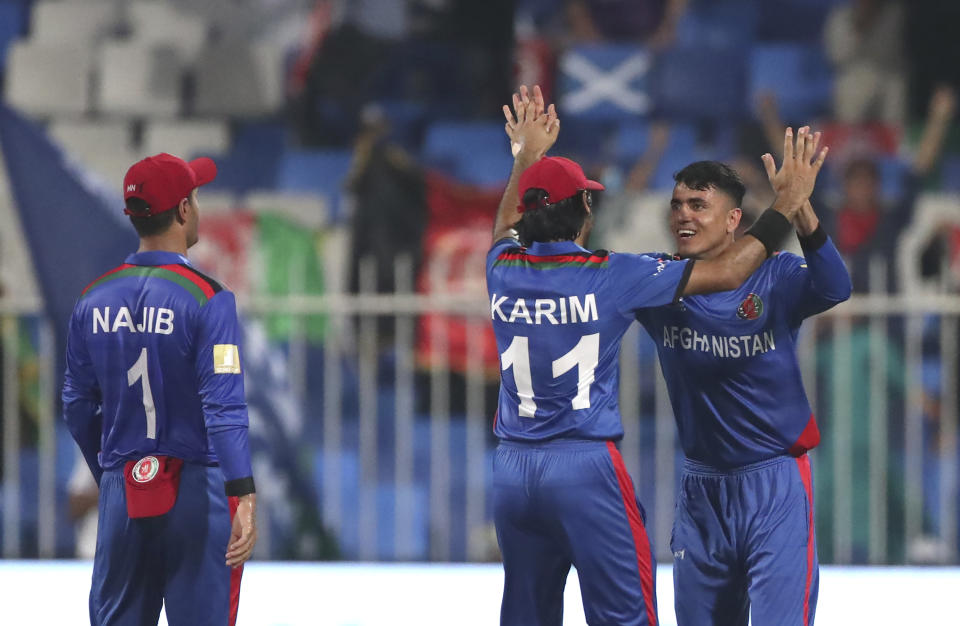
(146, 469)
(751, 308)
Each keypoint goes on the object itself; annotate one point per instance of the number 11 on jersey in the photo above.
(585, 356)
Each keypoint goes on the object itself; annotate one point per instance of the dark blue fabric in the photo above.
(556, 504)
(176, 559)
(740, 546)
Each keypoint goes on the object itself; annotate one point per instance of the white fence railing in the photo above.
(398, 415)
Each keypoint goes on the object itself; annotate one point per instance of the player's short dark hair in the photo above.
(703, 175)
(560, 221)
(149, 225)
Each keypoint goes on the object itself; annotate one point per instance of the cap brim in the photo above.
(204, 169)
(592, 184)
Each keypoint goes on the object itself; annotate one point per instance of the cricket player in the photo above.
(562, 495)
(153, 395)
(743, 539)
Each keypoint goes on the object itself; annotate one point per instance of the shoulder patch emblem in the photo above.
(751, 308)
(226, 359)
(146, 469)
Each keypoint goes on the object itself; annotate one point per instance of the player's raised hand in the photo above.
(805, 220)
(243, 534)
(531, 126)
(795, 180)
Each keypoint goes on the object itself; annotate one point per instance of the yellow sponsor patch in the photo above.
(226, 359)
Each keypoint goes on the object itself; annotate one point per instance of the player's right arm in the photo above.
(532, 132)
(81, 397)
(794, 183)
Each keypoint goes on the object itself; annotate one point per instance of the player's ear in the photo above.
(733, 219)
(182, 209)
(588, 201)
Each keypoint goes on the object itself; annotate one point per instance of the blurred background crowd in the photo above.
(360, 149)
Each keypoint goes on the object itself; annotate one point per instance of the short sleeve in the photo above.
(643, 281)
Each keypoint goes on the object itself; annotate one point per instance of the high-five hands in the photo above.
(797, 176)
(531, 127)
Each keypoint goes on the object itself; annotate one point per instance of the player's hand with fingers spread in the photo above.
(243, 534)
(795, 180)
(531, 127)
(806, 220)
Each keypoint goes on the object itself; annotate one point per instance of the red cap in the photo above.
(162, 181)
(561, 178)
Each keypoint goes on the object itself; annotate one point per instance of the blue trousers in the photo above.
(571, 502)
(176, 559)
(744, 544)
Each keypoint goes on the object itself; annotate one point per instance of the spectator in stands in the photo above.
(652, 22)
(864, 41)
(863, 227)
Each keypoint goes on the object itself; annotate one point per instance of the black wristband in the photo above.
(814, 241)
(771, 228)
(239, 486)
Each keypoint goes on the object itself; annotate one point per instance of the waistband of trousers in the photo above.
(702, 469)
(560, 443)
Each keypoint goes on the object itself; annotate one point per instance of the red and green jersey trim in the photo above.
(201, 287)
(517, 257)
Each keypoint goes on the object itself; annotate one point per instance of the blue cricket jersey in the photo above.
(559, 312)
(153, 367)
(730, 362)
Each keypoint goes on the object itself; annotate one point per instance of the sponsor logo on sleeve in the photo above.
(226, 359)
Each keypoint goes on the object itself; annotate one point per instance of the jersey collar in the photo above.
(157, 257)
(539, 248)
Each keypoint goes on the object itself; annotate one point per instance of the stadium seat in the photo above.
(158, 21)
(83, 139)
(54, 22)
(604, 82)
(472, 152)
(241, 171)
(632, 139)
(718, 24)
(48, 79)
(185, 138)
(950, 173)
(792, 20)
(11, 27)
(238, 80)
(139, 80)
(697, 83)
(317, 171)
(799, 76)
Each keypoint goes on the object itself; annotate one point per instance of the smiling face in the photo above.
(702, 221)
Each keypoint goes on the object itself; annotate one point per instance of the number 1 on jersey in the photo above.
(585, 356)
(138, 371)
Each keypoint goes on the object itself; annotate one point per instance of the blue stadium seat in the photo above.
(798, 74)
(718, 24)
(950, 173)
(604, 82)
(239, 172)
(474, 152)
(698, 83)
(316, 171)
(793, 20)
(12, 21)
(631, 142)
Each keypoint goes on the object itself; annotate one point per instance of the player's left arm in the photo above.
(81, 397)
(532, 129)
(220, 381)
(820, 280)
